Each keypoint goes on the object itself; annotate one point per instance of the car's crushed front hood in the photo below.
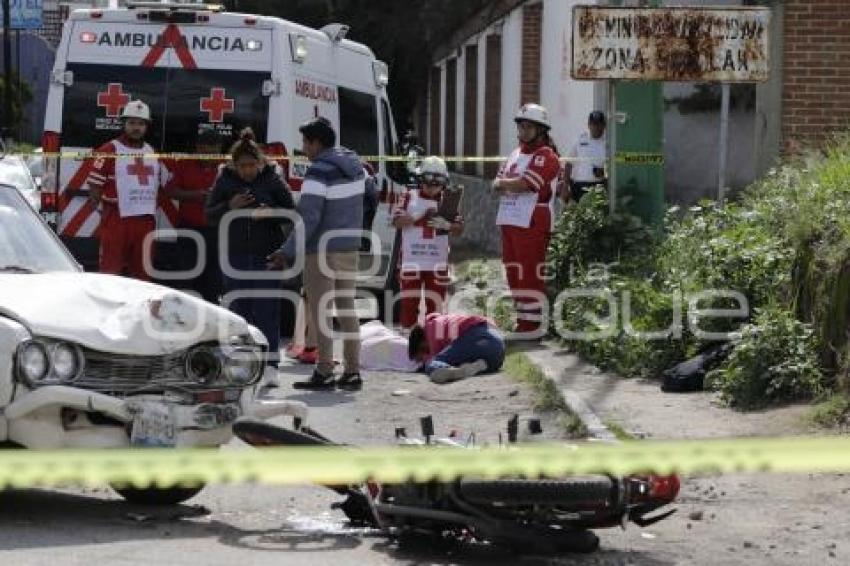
(116, 314)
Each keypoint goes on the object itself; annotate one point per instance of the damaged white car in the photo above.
(97, 361)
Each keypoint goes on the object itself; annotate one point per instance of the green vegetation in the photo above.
(784, 244)
(547, 397)
(833, 412)
(618, 431)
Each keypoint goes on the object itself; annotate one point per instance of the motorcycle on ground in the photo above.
(540, 515)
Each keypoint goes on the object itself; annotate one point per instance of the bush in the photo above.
(776, 360)
(784, 244)
(587, 234)
(623, 352)
(727, 248)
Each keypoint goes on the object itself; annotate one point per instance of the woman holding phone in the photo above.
(249, 183)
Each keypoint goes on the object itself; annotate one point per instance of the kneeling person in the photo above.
(455, 346)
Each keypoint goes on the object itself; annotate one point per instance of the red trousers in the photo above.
(524, 258)
(122, 243)
(411, 283)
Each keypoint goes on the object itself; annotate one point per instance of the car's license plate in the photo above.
(153, 425)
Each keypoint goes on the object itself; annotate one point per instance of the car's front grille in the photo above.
(116, 372)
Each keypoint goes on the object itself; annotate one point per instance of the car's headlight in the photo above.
(66, 361)
(204, 364)
(49, 362)
(33, 362)
(243, 365)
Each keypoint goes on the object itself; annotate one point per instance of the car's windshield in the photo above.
(14, 172)
(26, 244)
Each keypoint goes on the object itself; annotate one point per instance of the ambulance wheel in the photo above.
(158, 496)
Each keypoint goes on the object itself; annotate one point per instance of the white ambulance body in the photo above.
(200, 68)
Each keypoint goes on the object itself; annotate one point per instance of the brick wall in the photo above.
(816, 90)
(492, 101)
(470, 108)
(436, 109)
(450, 145)
(532, 30)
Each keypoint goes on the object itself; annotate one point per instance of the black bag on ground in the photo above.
(689, 375)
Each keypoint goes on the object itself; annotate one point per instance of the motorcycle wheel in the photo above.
(260, 433)
(158, 496)
(562, 492)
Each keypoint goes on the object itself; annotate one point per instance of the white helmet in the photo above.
(435, 167)
(137, 109)
(534, 113)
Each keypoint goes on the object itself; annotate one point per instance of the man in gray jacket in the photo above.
(331, 201)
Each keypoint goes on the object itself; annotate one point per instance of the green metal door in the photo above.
(640, 149)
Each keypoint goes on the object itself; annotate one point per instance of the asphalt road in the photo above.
(728, 520)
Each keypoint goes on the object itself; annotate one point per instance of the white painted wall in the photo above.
(442, 141)
(569, 101)
(461, 102)
(511, 73)
(482, 68)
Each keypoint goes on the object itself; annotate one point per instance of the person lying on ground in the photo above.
(451, 347)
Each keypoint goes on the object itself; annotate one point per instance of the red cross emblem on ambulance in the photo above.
(114, 99)
(217, 105)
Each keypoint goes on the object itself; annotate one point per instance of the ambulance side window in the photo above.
(389, 146)
(358, 118)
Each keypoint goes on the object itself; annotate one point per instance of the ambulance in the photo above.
(201, 68)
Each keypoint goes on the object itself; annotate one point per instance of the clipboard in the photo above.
(450, 204)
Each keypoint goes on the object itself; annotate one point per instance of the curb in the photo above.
(597, 429)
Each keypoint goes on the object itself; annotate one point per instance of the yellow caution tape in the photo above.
(297, 465)
(633, 158)
(83, 155)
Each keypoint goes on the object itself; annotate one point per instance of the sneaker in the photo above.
(317, 382)
(448, 375)
(474, 368)
(294, 351)
(308, 356)
(350, 382)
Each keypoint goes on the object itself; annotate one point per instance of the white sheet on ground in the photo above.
(383, 349)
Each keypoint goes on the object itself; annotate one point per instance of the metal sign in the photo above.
(25, 14)
(671, 44)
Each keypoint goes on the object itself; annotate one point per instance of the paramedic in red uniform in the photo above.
(191, 183)
(126, 189)
(527, 183)
(424, 261)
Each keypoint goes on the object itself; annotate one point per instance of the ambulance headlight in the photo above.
(382, 73)
(88, 37)
(254, 45)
